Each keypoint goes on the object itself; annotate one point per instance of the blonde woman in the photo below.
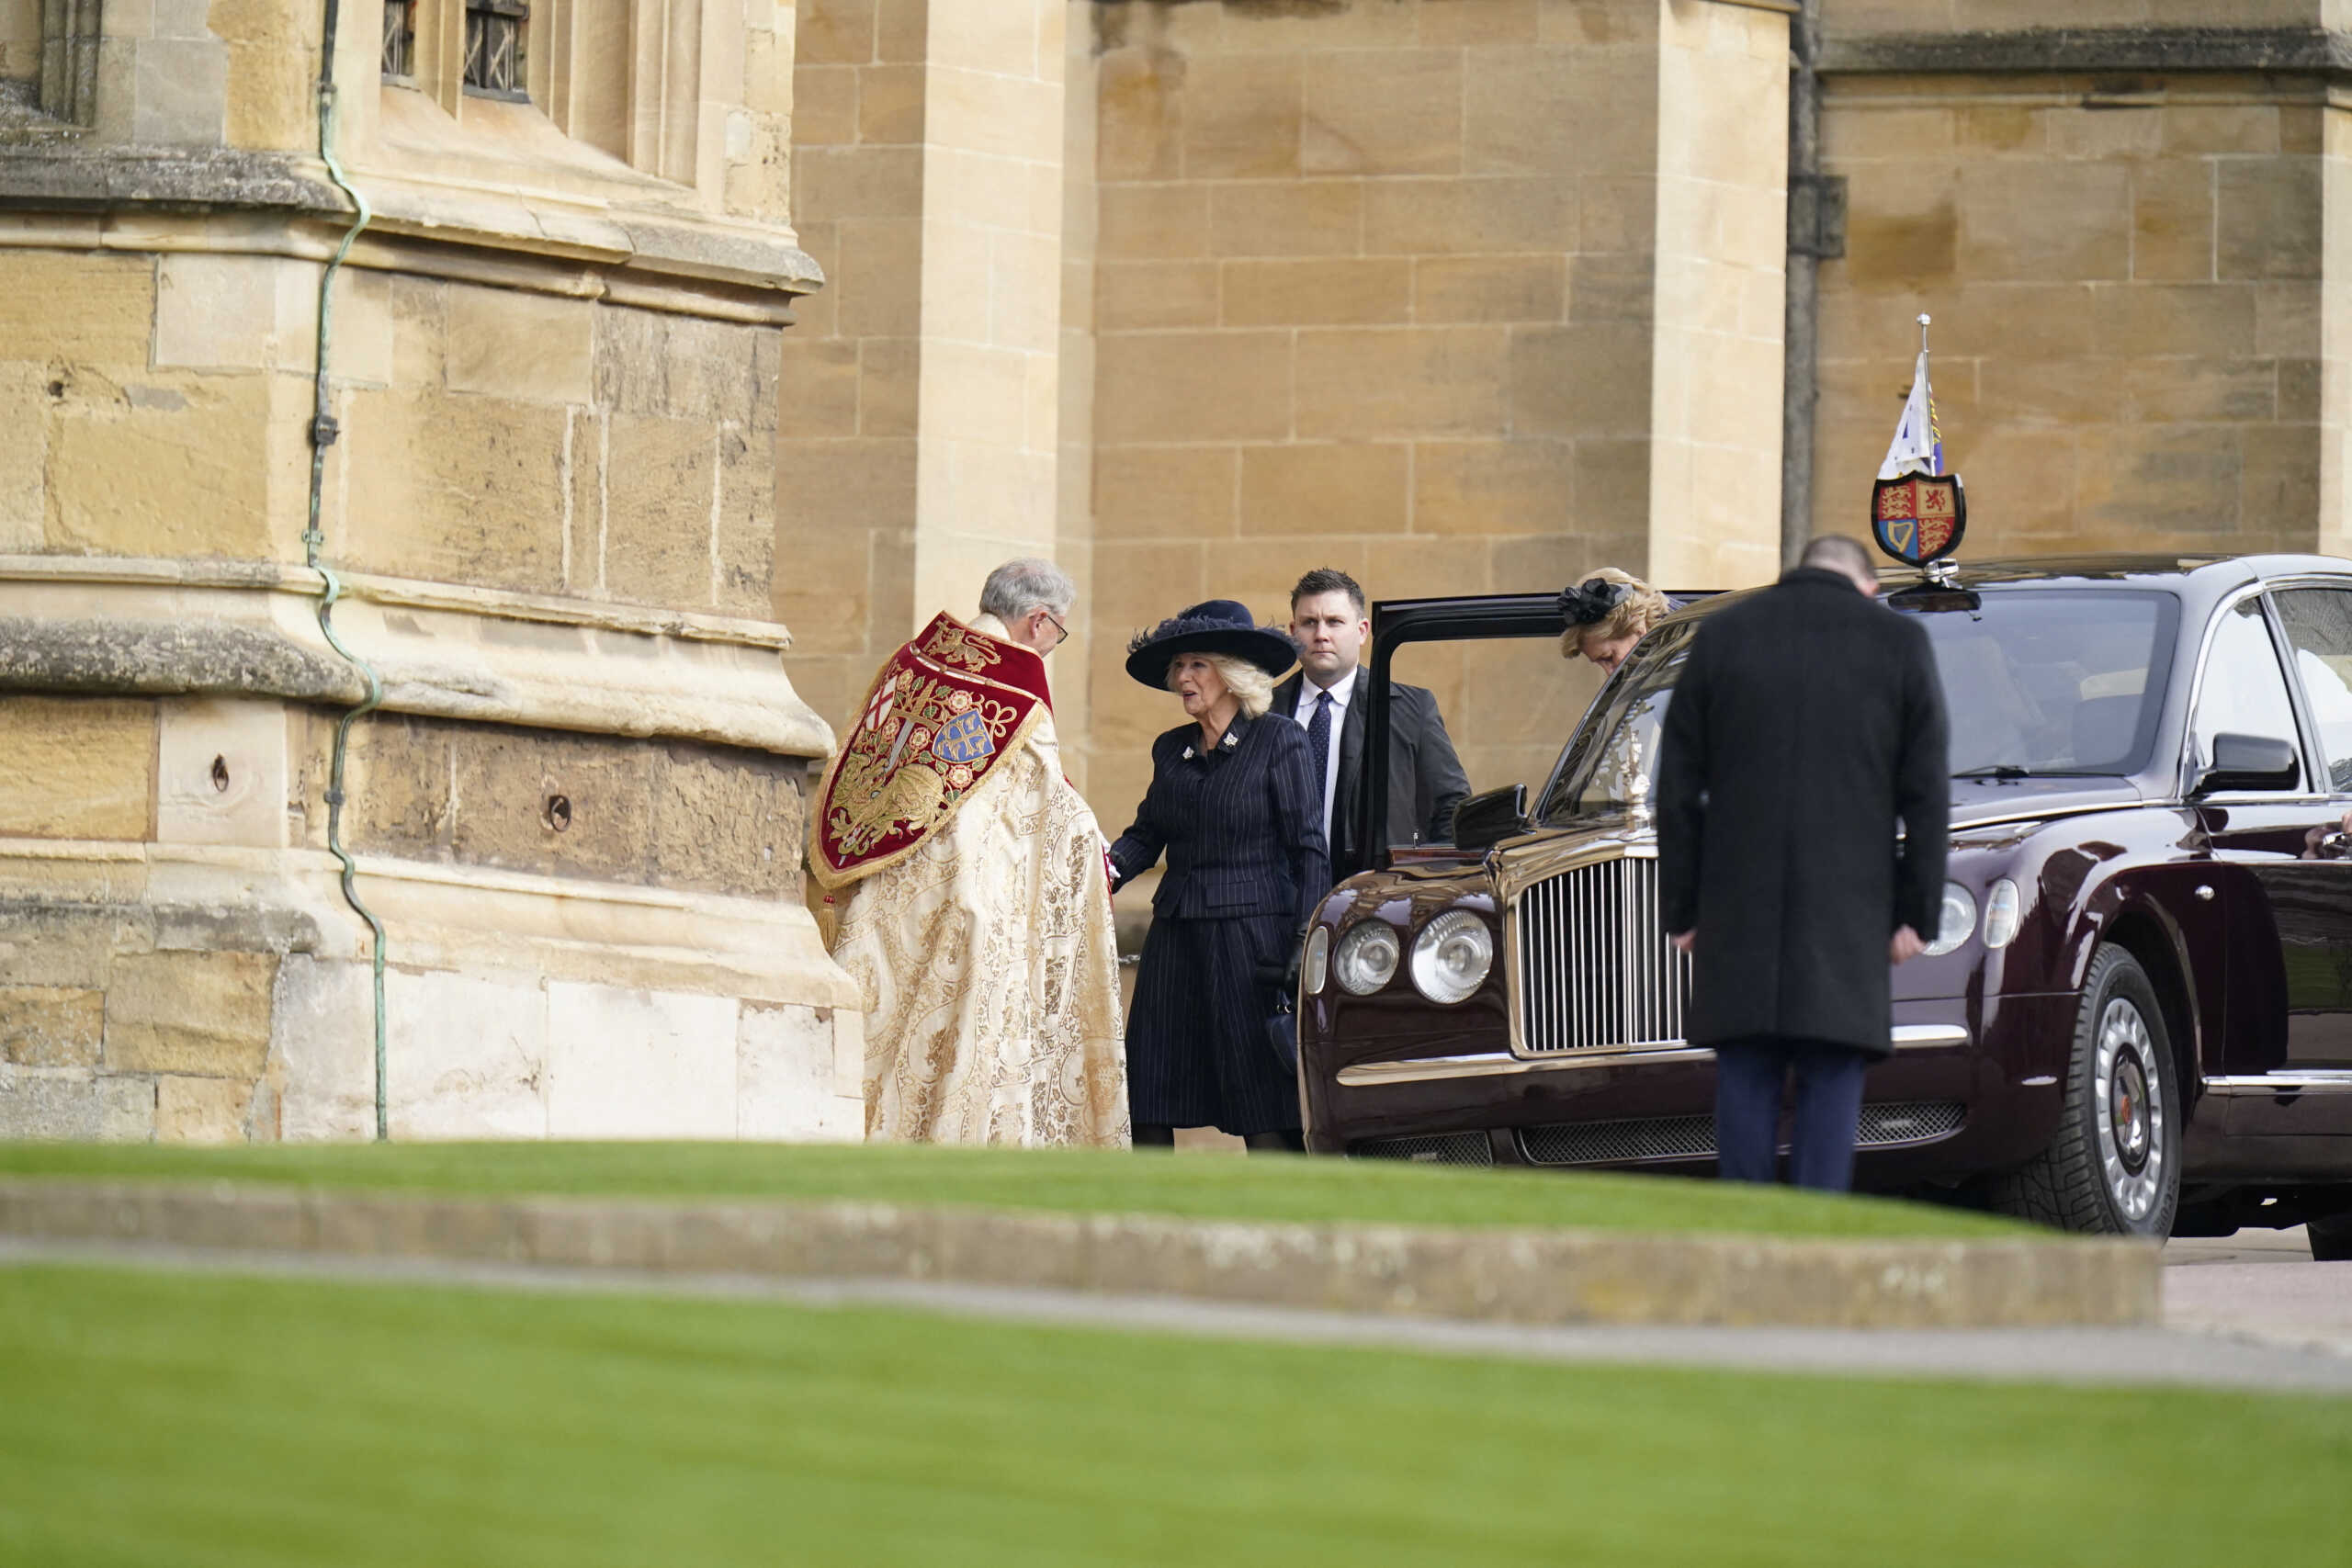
(1607, 612)
(1235, 804)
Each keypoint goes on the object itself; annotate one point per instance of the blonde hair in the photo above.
(1633, 616)
(1251, 687)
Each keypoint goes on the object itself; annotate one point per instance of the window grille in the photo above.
(495, 48)
(399, 39)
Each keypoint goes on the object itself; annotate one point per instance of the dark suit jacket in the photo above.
(1425, 778)
(1808, 721)
(1242, 830)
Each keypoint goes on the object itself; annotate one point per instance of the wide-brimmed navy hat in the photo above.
(1219, 626)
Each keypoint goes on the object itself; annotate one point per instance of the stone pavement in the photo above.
(2147, 1357)
(2261, 1286)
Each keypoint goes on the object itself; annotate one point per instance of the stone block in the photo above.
(222, 773)
(707, 371)
(2280, 487)
(201, 1014)
(1579, 381)
(1616, 287)
(201, 1110)
(1180, 492)
(1469, 217)
(1488, 289)
(1900, 229)
(2209, 130)
(466, 1054)
(727, 821)
(2045, 221)
(661, 512)
(51, 1026)
(1317, 293)
(182, 91)
(183, 469)
(823, 103)
(2187, 391)
(890, 386)
(552, 803)
(456, 490)
(1553, 112)
(2215, 321)
(2269, 219)
(1180, 387)
(1493, 487)
(820, 386)
(1241, 117)
(79, 1106)
(24, 458)
(1336, 488)
(1448, 24)
(1131, 296)
(787, 1085)
(1140, 115)
(2163, 479)
(1382, 112)
(77, 767)
(637, 1063)
(1403, 381)
(1154, 222)
(1987, 128)
(230, 312)
(746, 541)
(532, 347)
(833, 32)
(2172, 222)
(858, 182)
(1311, 218)
(877, 278)
(889, 106)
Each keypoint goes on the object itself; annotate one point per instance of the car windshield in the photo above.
(2038, 683)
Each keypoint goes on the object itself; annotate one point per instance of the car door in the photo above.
(2279, 949)
(2311, 896)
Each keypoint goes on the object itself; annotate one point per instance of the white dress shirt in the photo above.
(1307, 694)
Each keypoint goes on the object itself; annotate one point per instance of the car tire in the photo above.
(2331, 1239)
(2114, 1168)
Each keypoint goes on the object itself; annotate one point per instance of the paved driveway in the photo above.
(2259, 1285)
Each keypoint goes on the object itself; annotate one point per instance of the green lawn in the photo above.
(1083, 1181)
(196, 1420)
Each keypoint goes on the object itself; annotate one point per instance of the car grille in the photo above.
(1668, 1137)
(1443, 1148)
(1593, 969)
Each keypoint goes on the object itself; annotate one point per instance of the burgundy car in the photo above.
(2136, 1016)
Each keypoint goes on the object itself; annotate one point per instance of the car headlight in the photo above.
(1317, 966)
(2004, 912)
(1452, 956)
(1367, 957)
(1958, 922)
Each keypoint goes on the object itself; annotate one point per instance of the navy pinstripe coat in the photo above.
(1242, 830)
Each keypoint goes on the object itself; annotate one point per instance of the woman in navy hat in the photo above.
(1236, 804)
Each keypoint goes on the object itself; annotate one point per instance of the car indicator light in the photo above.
(1452, 956)
(2003, 913)
(1367, 957)
(1958, 922)
(1318, 963)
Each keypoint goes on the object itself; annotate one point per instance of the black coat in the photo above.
(1807, 723)
(1243, 833)
(1425, 778)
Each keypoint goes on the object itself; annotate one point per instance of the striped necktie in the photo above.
(1318, 744)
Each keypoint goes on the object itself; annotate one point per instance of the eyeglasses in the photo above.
(1057, 626)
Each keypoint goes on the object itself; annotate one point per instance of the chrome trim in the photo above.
(2185, 766)
(1499, 1064)
(1619, 984)
(1927, 1036)
(2053, 808)
(2311, 1080)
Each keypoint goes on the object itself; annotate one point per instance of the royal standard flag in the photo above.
(1919, 445)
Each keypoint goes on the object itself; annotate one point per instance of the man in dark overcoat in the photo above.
(1329, 695)
(1808, 725)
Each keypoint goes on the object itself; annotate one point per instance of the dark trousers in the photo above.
(1749, 1079)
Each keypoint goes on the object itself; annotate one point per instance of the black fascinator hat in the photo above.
(1588, 602)
(1218, 625)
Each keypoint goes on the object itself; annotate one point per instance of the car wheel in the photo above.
(2331, 1239)
(2114, 1166)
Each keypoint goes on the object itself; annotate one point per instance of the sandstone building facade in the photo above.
(1193, 294)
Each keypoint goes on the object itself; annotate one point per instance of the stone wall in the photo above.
(550, 504)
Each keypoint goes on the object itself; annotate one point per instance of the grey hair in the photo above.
(1022, 587)
(1835, 552)
(1251, 685)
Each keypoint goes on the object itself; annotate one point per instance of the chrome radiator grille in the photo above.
(1592, 969)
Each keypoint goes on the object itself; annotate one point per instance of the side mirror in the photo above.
(2249, 762)
(1484, 820)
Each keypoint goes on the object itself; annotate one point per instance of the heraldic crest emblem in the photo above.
(1919, 513)
(945, 710)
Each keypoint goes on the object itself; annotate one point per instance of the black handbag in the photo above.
(1282, 1023)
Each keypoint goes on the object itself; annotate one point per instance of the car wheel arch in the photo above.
(2141, 930)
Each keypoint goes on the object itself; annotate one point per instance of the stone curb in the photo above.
(1501, 1276)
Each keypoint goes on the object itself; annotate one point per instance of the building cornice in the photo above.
(2075, 51)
